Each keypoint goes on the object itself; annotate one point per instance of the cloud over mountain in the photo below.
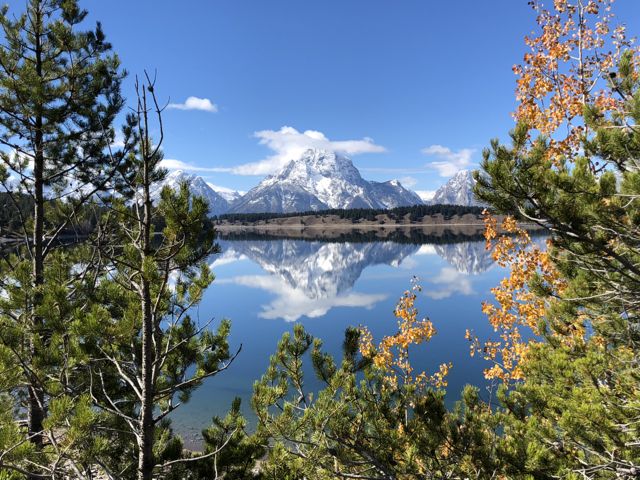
(288, 143)
(449, 162)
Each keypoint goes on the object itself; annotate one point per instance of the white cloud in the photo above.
(195, 103)
(290, 304)
(221, 189)
(173, 164)
(408, 263)
(118, 141)
(227, 257)
(449, 162)
(288, 144)
(408, 181)
(449, 282)
(426, 195)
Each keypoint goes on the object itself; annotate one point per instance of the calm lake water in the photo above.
(266, 285)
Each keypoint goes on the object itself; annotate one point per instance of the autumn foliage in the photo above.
(391, 356)
(517, 312)
(567, 67)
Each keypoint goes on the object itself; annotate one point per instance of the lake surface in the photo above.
(265, 285)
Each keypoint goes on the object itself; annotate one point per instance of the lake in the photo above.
(265, 284)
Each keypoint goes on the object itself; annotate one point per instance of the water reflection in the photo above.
(329, 284)
(309, 278)
(471, 258)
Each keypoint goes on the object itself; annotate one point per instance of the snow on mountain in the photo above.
(470, 258)
(392, 194)
(198, 187)
(426, 195)
(457, 191)
(320, 180)
(228, 194)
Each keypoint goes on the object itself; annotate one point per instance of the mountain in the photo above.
(392, 194)
(321, 180)
(320, 269)
(308, 278)
(218, 203)
(230, 196)
(457, 191)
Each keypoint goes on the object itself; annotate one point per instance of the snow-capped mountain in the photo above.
(392, 194)
(218, 202)
(320, 180)
(320, 269)
(457, 191)
(230, 196)
(310, 278)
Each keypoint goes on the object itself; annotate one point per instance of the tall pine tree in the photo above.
(146, 353)
(59, 95)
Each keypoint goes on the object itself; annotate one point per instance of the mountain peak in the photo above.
(457, 191)
(197, 186)
(318, 153)
(321, 179)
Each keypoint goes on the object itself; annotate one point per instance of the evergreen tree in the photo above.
(578, 403)
(59, 94)
(145, 353)
(374, 417)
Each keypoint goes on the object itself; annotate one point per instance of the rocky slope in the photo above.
(457, 191)
(321, 180)
(219, 202)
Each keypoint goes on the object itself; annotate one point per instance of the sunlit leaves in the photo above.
(516, 307)
(566, 68)
(391, 356)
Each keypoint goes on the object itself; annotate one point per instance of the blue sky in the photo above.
(387, 78)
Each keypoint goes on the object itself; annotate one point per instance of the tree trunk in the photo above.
(36, 410)
(36, 393)
(146, 462)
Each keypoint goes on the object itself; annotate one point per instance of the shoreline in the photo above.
(345, 226)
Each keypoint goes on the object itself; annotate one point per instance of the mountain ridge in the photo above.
(316, 181)
(458, 190)
(321, 180)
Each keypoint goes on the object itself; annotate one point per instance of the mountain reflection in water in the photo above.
(310, 277)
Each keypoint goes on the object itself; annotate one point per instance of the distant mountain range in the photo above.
(320, 180)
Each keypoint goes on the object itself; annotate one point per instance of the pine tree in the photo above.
(374, 417)
(59, 95)
(580, 394)
(145, 352)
